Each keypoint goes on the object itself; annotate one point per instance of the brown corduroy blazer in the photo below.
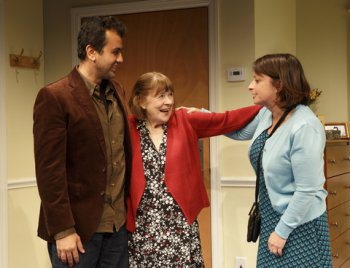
(70, 157)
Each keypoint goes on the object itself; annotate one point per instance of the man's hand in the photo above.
(276, 244)
(68, 247)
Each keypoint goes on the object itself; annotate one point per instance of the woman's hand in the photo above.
(276, 244)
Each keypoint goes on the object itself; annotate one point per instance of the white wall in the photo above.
(324, 53)
(236, 45)
(348, 46)
(3, 165)
(23, 30)
(275, 27)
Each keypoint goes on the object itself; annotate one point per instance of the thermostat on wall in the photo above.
(235, 74)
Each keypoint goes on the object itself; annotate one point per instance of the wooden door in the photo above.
(174, 42)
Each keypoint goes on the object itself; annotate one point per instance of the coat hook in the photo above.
(25, 61)
(38, 58)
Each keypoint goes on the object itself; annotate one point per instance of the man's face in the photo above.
(110, 56)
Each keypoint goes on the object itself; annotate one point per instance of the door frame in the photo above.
(3, 151)
(157, 5)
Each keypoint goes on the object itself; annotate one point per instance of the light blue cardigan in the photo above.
(293, 166)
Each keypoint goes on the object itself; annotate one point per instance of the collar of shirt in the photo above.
(94, 89)
(90, 85)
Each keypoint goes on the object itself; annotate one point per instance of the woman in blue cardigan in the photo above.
(294, 229)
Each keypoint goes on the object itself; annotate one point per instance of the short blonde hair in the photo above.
(146, 83)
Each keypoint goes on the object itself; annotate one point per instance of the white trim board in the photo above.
(156, 5)
(21, 183)
(238, 182)
(225, 182)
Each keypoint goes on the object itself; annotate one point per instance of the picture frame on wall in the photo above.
(336, 130)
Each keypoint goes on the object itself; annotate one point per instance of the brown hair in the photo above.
(145, 84)
(287, 70)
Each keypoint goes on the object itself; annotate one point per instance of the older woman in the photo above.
(167, 190)
(294, 229)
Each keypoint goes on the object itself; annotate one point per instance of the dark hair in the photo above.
(146, 83)
(93, 32)
(287, 70)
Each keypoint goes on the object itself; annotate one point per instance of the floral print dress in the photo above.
(162, 237)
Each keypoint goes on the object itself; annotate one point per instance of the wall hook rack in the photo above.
(25, 61)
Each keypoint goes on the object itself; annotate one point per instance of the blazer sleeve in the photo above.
(213, 124)
(50, 133)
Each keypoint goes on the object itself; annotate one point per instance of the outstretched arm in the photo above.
(213, 124)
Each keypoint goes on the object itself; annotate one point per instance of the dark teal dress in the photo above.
(307, 246)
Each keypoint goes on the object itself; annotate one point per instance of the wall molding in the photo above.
(21, 183)
(238, 182)
(157, 5)
(229, 181)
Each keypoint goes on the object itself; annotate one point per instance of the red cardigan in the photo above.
(183, 176)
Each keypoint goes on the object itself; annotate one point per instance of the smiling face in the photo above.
(107, 60)
(263, 90)
(158, 106)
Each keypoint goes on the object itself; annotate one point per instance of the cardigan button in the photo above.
(102, 193)
(103, 170)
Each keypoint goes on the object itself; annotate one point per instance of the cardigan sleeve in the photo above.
(213, 124)
(306, 155)
(247, 133)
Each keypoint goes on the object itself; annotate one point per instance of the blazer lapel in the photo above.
(80, 92)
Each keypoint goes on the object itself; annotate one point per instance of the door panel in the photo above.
(174, 42)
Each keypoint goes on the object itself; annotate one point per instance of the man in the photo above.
(82, 154)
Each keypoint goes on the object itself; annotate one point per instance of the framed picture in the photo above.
(337, 130)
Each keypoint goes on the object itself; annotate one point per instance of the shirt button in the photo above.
(112, 184)
(113, 141)
(114, 164)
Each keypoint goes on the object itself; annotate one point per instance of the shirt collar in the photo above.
(94, 88)
(91, 86)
